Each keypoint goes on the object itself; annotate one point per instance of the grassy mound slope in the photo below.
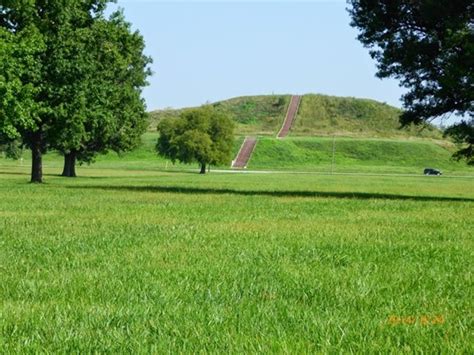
(318, 115)
(262, 115)
(327, 115)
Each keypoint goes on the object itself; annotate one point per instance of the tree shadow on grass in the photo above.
(28, 174)
(14, 173)
(273, 193)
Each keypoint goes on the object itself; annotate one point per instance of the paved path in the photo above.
(245, 153)
(290, 116)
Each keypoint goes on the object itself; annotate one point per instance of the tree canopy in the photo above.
(70, 79)
(427, 45)
(203, 135)
(101, 99)
(463, 134)
(11, 148)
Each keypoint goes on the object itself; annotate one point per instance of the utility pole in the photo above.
(333, 152)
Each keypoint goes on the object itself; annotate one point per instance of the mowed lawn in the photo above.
(126, 261)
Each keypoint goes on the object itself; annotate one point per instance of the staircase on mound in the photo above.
(245, 152)
(290, 116)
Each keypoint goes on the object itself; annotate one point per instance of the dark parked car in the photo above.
(430, 171)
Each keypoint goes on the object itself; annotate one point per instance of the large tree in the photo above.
(202, 135)
(22, 115)
(426, 44)
(72, 79)
(100, 99)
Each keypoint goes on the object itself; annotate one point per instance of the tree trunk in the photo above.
(203, 168)
(37, 158)
(69, 164)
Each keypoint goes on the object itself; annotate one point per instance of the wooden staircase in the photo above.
(290, 116)
(245, 152)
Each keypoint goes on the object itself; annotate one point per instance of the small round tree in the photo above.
(201, 135)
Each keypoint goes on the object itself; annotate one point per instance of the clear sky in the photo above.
(214, 50)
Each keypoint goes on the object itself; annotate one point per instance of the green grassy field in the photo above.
(142, 261)
(141, 255)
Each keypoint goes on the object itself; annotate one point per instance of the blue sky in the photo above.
(214, 50)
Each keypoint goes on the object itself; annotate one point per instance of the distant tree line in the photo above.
(70, 80)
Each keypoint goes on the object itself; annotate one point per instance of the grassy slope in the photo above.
(146, 262)
(257, 115)
(327, 115)
(355, 155)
